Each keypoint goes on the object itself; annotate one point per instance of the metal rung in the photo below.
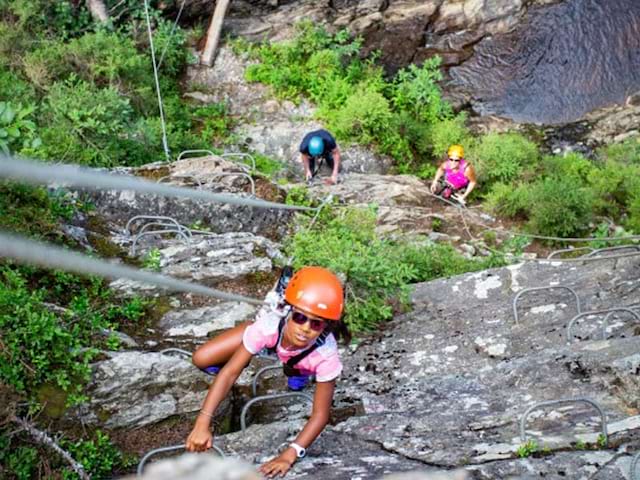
(565, 250)
(274, 396)
(151, 217)
(612, 249)
(241, 155)
(523, 433)
(254, 382)
(176, 350)
(194, 151)
(532, 289)
(241, 174)
(609, 311)
(154, 232)
(172, 448)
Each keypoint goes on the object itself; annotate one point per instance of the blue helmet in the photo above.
(316, 146)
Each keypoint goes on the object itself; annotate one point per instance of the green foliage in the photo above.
(527, 449)
(18, 462)
(448, 131)
(504, 157)
(572, 165)
(152, 260)
(561, 207)
(266, 165)
(39, 346)
(625, 153)
(415, 90)
(377, 271)
(31, 210)
(602, 441)
(16, 130)
(353, 98)
(213, 123)
(509, 200)
(98, 456)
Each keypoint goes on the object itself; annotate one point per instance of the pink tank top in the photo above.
(457, 179)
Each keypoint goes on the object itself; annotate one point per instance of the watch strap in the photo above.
(300, 451)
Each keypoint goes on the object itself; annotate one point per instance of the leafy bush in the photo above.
(446, 132)
(560, 207)
(415, 90)
(509, 200)
(98, 456)
(16, 130)
(571, 165)
(504, 157)
(39, 347)
(377, 271)
(625, 153)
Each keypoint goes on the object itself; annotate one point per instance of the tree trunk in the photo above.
(98, 10)
(213, 34)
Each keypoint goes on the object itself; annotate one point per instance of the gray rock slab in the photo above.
(200, 322)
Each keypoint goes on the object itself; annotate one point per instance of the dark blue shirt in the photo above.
(329, 142)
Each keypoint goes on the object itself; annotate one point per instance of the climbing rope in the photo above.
(165, 144)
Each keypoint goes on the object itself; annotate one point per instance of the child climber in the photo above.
(301, 329)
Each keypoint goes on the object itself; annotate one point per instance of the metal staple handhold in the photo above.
(154, 232)
(194, 151)
(612, 249)
(254, 382)
(172, 220)
(176, 350)
(172, 448)
(519, 294)
(241, 174)
(241, 155)
(523, 433)
(608, 311)
(274, 396)
(555, 252)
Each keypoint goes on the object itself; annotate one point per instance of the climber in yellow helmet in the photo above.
(455, 178)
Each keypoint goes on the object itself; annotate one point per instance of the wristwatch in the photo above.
(300, 451)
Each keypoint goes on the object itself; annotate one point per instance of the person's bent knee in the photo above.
(199, 358)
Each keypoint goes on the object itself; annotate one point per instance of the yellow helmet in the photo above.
(456, 150)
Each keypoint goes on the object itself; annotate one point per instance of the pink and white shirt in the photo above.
(324, 362)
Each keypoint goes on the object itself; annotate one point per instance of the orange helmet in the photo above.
(317, 291)
(456, 150)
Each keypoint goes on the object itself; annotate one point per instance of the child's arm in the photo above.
(319, 418)
(201, 438)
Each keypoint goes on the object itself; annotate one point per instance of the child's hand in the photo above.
(279, 465)
(199, 440)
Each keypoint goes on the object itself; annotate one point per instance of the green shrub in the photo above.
(38, 346)
(17, 131)
(446, 132)
(504, 157)
(625, 153)
(509, 200)
(365, 117)
(98, 456)
(571, 165)
(415, 90)
(560, 207)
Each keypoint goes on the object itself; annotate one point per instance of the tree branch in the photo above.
(44, 439)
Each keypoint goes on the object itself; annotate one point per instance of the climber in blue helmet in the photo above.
(317, 146)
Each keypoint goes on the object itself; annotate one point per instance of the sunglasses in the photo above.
(315, 323)
(454, 159)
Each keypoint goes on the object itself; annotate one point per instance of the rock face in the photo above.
(496, 52)
(268, 126)
(445, 385)
(118, 207)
